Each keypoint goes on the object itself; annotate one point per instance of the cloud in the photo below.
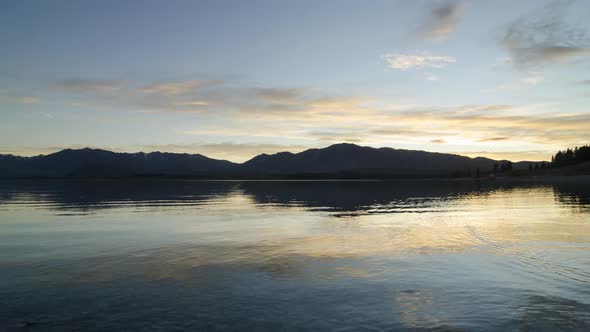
(544, 37)
(90, 85)
(192, 103)
(187, 96)
(534, 78)
(22, 99)
(337, 136)
(416, 61)
(276, 95)
(502, 62)
(583, 82)
(493, 139)
(174, 88)
(431, 77)
(442, 21)
(335, 102)
(354, 120)
(311, 117)
(541, 128)
(485, 108)
(47, 115)
(472, 126)
(212, 97)
(407, 130)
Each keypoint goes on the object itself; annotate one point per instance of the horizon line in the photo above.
(259, 154)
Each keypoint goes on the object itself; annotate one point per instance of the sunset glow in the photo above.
(230, 79)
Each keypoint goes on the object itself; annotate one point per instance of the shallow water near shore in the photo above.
(292, 255)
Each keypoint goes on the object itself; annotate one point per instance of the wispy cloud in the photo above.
(270, 114)
(486, 108)
(174, 88)
(533, 78)
(471, 125)
(192, 103)
(544, 37)
(502, 62)
(338, 136)
(21, 99)
(432, 77)
(543, 128)
(493, 139)
(90, 85)
(416, 61)
(47, 115)
(442, 20)
(276, 95)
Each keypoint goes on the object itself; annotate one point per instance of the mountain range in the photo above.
(335, 161)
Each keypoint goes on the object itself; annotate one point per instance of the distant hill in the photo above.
(339, 160)
(351, 159)
(101, 163)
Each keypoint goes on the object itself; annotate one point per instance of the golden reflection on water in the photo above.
(418, 260)
(519, 222)
(493, 221)
(279, 239)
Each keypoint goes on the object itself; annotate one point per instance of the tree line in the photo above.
(571, 156)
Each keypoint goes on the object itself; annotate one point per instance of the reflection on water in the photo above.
(202, 255)
(573, 195)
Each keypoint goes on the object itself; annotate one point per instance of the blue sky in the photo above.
(231, 79)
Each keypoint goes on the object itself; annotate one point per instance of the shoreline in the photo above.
(501, 179)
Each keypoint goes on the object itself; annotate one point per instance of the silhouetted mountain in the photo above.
(351, 159)
(340, 160)
(101, 163)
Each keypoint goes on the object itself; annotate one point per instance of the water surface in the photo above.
(292, 255)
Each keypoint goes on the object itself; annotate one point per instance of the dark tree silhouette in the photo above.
(571, 156)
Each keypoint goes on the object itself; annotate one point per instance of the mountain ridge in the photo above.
(344, 159)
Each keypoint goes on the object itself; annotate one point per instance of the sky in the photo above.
(232, 79)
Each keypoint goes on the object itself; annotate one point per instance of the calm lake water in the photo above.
(198, 255)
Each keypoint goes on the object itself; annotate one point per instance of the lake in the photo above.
(294, 255)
